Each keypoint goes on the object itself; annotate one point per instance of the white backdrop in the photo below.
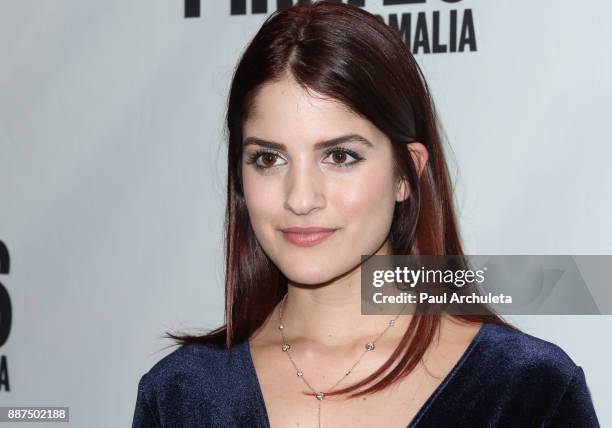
(112, 175)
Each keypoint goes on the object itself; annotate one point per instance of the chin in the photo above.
(307, 272)
(313, 272)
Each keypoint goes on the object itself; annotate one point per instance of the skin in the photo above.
(304, 186)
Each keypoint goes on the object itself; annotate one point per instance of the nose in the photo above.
(304, 189)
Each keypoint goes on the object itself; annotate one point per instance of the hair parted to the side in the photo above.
(349, 55)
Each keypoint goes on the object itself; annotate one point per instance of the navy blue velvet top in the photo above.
(505, 378)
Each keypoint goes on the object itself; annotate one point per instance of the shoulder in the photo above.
(507, 375)
(184, 388)
(195, 367)
(515, 376)
(522, 353)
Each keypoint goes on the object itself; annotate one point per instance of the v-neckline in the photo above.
(252, 372)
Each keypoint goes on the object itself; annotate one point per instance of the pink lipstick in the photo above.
(307, 236)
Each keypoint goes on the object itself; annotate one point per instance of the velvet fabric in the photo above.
(505, 378)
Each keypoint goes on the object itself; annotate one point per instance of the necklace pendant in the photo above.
(370, 346)
(285, 347)
(320, 396)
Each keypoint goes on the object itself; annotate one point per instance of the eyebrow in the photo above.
(349, 138)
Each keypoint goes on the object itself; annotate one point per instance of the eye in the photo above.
(267, 157)
(339, 155)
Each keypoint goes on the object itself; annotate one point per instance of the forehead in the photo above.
(284, 111)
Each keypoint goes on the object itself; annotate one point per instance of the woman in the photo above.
(334, 153)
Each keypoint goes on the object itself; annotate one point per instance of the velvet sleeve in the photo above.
(576, 406)
(143, 415)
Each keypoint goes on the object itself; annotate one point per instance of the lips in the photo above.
(307, 236)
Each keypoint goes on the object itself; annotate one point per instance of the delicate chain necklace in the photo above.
(369, 346)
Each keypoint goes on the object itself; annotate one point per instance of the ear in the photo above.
(420, 155)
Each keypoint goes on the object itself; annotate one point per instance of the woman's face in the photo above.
(348, 187)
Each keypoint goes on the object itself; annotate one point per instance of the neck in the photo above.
(330, 315)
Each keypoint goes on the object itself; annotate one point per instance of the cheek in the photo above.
(364, 197)
(264, 205)
(260, 198)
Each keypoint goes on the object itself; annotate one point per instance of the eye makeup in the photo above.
(252, 159)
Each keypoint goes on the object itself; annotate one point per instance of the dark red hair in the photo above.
(349, 55)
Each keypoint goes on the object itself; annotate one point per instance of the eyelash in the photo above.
(252, 159)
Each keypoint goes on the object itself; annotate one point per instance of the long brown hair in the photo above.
(350, 55)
